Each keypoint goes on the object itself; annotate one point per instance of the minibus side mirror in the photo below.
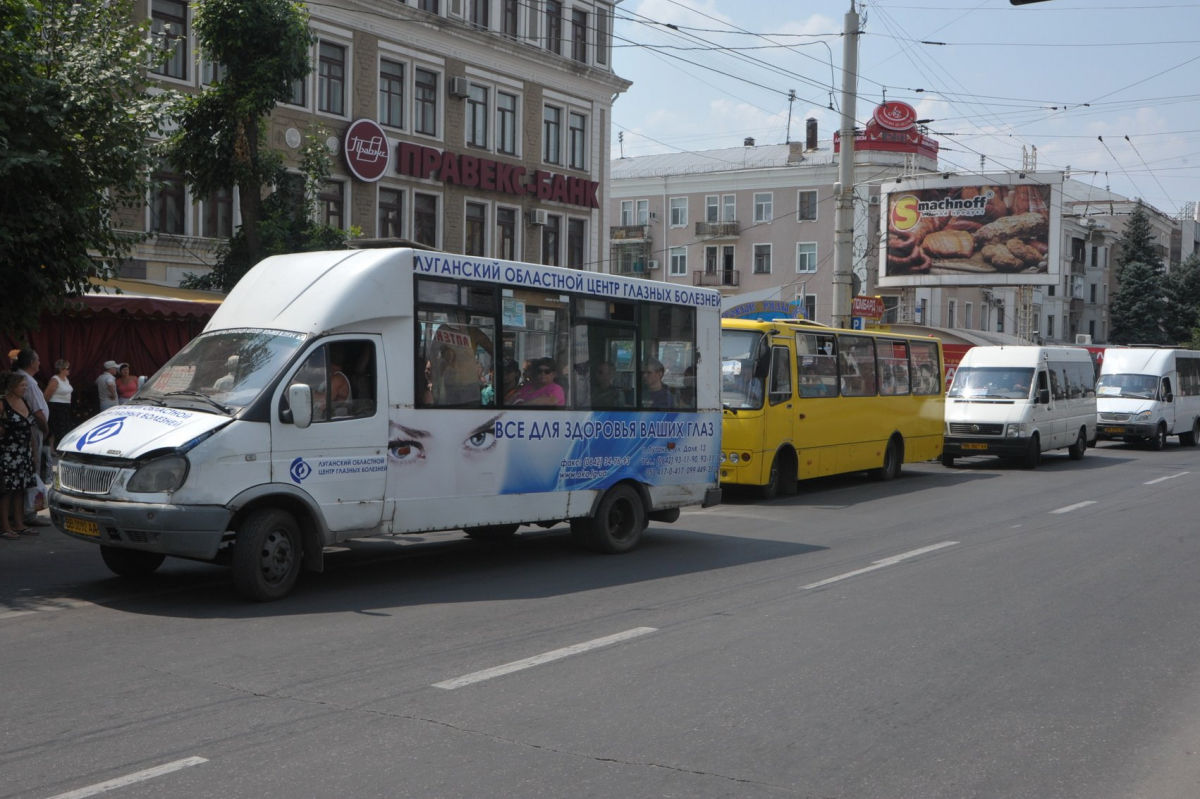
(1169, 397)
(300, 400)
(1043, 396)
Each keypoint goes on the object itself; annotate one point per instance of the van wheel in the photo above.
(1190, 438)
(1077, 449)
(617, 524)
(893, 459)
(492, 532)
(1033, 455)
(948, 461)
(267, 555)
(131, 563)
(1160, 438)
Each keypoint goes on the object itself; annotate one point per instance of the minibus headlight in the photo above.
(733, 457)
(1015, 430)
(159, 475)
(722, 456)
(1143, 416)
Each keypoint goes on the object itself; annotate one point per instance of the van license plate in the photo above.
(1115, 430)
(974, 446)
(81, 526)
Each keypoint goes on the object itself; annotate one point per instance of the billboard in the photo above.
(992, 230)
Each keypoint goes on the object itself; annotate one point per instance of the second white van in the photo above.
(1019, 402)
(1148, 393)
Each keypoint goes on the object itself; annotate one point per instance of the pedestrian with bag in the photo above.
(16, 458)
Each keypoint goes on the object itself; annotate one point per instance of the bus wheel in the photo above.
(267, 555)
(948, 461)
(770, 489)
(617, 525)
(131, 562)
(1033, 455)
(492, 532)
(1077, 449)
(1160, 438)
(893, 458)
(1190, 438)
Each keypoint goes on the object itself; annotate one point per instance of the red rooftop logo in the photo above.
(895, 115)
(367, 150)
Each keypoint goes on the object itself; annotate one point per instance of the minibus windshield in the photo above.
(1127, 385)
(222, 371)
(991, 382)
(740, 389)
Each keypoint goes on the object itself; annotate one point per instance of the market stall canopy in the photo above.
(141, 299)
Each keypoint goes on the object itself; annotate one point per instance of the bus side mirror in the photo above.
(1043, 396)
(300, 400)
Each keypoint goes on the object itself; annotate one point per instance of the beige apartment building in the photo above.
(484, 130)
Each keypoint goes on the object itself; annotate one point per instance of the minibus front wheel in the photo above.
(267, 555)
(1160, 438)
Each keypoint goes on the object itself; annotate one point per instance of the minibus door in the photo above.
(1041, 415)
(1167, 400)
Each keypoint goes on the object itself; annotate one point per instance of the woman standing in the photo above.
(58, 395)
(16, 458)
(127, 384)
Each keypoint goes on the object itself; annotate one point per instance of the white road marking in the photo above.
(1076, 506)
(1163, 479)
(129, 779)
(881, 564)
(546, 657)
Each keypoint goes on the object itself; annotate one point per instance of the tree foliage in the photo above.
(1139, 309)
(75, 131)
(262, 47)
(1183, 300)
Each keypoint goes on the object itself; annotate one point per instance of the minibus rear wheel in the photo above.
(617, 524)
(893, 460)
(267, 555)
(1190, 438)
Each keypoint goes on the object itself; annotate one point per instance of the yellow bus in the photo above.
(802, 400)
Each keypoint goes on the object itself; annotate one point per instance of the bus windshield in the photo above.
(1127, 385)
(991, 382)
(740, 389)
(222, 371)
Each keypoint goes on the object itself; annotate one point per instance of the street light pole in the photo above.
(843, 235)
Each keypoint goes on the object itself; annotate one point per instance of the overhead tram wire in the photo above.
(1166, 193)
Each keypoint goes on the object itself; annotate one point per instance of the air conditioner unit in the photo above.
(1083, 338)
(652, 265)
(459, 87)
(537, 216)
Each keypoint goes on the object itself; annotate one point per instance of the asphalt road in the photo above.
(982, 631)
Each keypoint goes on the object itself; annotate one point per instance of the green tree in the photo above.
(262, 47)
(1183, 300)
(1138, 310)
(75, 127)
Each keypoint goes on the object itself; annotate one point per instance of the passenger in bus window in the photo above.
(543, 389)
(654, 393)
(604, 393)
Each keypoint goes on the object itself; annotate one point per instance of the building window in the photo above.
(478, 13)
(510, 17)
(762, 259)
(474, 225)
(643, 212)
(1050, 326)
(506, 123)
(1092, 328)
(579, 31)
(678, 257)
(710, 260)
(626, 213)
(425, 213)
(477, 116)
(951, 313)
(577, 140)
(425, 88)
(603, 15)
(1092, 292)
(391, 214)
(551, 135)
(806, 206)
(391, 93)
(729, 208)
(554, 20)
(806, 256)
(429, 5)
(575, 243)
(764, 204)
(168, 25)
(167, 205)
(331, 204)
(999, 317)
(968, 322)
(679, 214)
(218, 215)
(331, 78)
(506, 233)
(712, 209)
(298, 92)
(550, 238)
(211, 73)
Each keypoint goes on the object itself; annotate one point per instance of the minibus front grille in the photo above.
(975, 429)
(1115, 417)
(86, 478)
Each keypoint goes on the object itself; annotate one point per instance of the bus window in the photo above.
(740, 389)
(816, 364)
(666, 333)
(535, 330)
(857, 362)
(893, 367)
(455, 343)
(781, 376)
(925, 368)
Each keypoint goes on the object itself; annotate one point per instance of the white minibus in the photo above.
(1021, 401)
(1145, 394)
(344, 394)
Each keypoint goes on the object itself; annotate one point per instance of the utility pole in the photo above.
(843, 235)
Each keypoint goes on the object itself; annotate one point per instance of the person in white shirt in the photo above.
(106, 385)
(58, 395)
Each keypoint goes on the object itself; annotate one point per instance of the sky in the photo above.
(1107, 89)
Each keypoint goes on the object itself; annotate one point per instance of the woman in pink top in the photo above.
(542, 388)
(127, 384)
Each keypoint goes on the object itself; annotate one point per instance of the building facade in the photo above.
(485, 130)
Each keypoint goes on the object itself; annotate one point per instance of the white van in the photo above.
(1019, 402)
(1148, 393)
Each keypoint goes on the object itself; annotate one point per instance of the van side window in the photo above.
(781, 376)
(1043, 384)
(343, 377)
(1189, 376)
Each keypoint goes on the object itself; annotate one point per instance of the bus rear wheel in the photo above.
(893, 459)
(617, 524)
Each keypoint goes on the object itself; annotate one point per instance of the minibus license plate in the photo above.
(1117, 430)
(81, 526)
(974, 446)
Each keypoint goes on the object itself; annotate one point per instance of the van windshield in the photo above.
(740, 389)
(222, 371)
(1127, 385)
(991, 382)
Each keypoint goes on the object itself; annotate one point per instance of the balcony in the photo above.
(728, 277)
(1078, 266)
(718, 230)
(629, 233)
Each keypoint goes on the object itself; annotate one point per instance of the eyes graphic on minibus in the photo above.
(409, 446)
